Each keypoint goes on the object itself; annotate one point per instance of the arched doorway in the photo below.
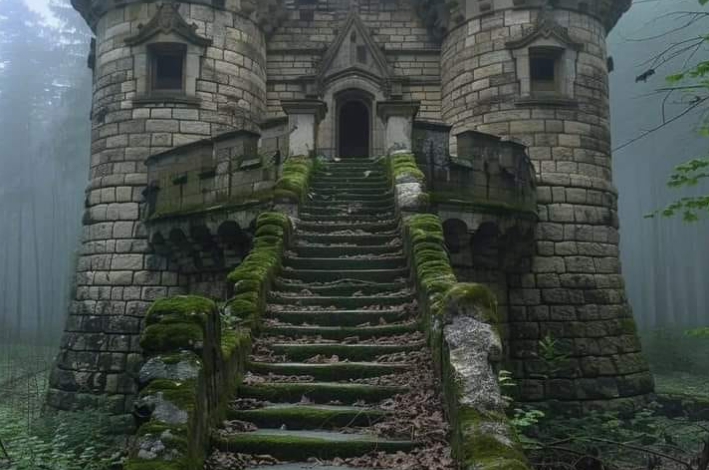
(354, 129)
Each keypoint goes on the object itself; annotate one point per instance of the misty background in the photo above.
(45, 92)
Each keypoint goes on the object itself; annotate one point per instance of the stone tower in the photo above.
(345, 77)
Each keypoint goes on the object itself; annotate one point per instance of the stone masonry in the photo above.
(531, 71)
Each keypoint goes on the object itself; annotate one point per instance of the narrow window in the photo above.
(167, 64)
(544, 70)
(362, 54)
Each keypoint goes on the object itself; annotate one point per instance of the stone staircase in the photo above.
(340, 340)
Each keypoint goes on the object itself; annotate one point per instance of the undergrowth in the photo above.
(31, 440)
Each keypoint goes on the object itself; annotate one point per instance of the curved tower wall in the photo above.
(571, 288)
(117, 275)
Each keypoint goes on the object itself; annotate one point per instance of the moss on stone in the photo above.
(180, 308)
(182, 393)
(295, 177)
(405, 166)
(476, 293)
(171, 336)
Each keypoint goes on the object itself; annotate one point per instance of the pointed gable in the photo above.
(354, 49)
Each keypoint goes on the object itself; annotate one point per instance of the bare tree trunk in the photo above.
(39, 314)
(18, 301)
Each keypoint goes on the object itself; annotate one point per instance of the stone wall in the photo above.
(300, 42)
(117, 272)
(571, 288)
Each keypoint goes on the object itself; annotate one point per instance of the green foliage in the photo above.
(702, 332)
(80, 440)
(550, 354)
(689, 174)
(405, 166)
(612, 439)
(676, 350)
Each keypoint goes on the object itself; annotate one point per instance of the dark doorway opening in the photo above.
(354, 130)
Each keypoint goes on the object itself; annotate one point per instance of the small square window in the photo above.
(544, 71)
(167, 65)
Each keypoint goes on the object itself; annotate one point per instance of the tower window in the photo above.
(167, 63)
(544, 70)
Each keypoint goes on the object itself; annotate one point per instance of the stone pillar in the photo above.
(304, 116)
(398, 117)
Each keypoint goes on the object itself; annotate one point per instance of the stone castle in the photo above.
(504, 103)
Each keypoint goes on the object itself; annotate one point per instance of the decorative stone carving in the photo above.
(168, 20)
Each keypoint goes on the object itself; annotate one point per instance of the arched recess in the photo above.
(341, 90)
(455, 233)
(354, 123)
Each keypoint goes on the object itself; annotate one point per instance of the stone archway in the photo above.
(354, 125)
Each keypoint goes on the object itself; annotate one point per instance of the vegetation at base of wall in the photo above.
(404, 166)
(250, 278)
(649, 437)
(295, 177)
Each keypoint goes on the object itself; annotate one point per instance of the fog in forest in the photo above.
(44, 134)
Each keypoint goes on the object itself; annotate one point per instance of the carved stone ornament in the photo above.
(168, 20)
(546, 27)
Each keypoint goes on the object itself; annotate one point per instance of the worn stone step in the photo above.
(342, 332)
(345, 263)
(331, 372)
(299, 416)
(327, 210)
(342, 288)
(349, 189)
(377, 198)
(359, 239)
(305, 466)
(323, 275)
(383, 204)
(351, 218)
(383, 225)
(336, 251)
(340, 317)
(302, 445)
(336, 184)
(352, 352)
(342, 302)
(319, 392)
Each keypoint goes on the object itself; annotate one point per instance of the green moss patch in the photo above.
(295, 178)
(171, 337)
(179, 309)
(405, 166)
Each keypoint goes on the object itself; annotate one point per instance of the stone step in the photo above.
(346, 197)
(359, 239)
(340, 302)
(319, 392)
(340, 317)
(323, 275)
(383, 225)
(342, 288)
(326, 210)
(335, 184)
(305, 466)
(302, 445)
(330, 372)
(298, 416)
(349, 189)
(352, 352)
(336, 251)
(342, 332)
(345, 263)
(351, 218)
(383, 204)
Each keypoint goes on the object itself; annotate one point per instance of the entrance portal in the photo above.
(354, 129)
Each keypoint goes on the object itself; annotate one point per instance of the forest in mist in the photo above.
(45, 89)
